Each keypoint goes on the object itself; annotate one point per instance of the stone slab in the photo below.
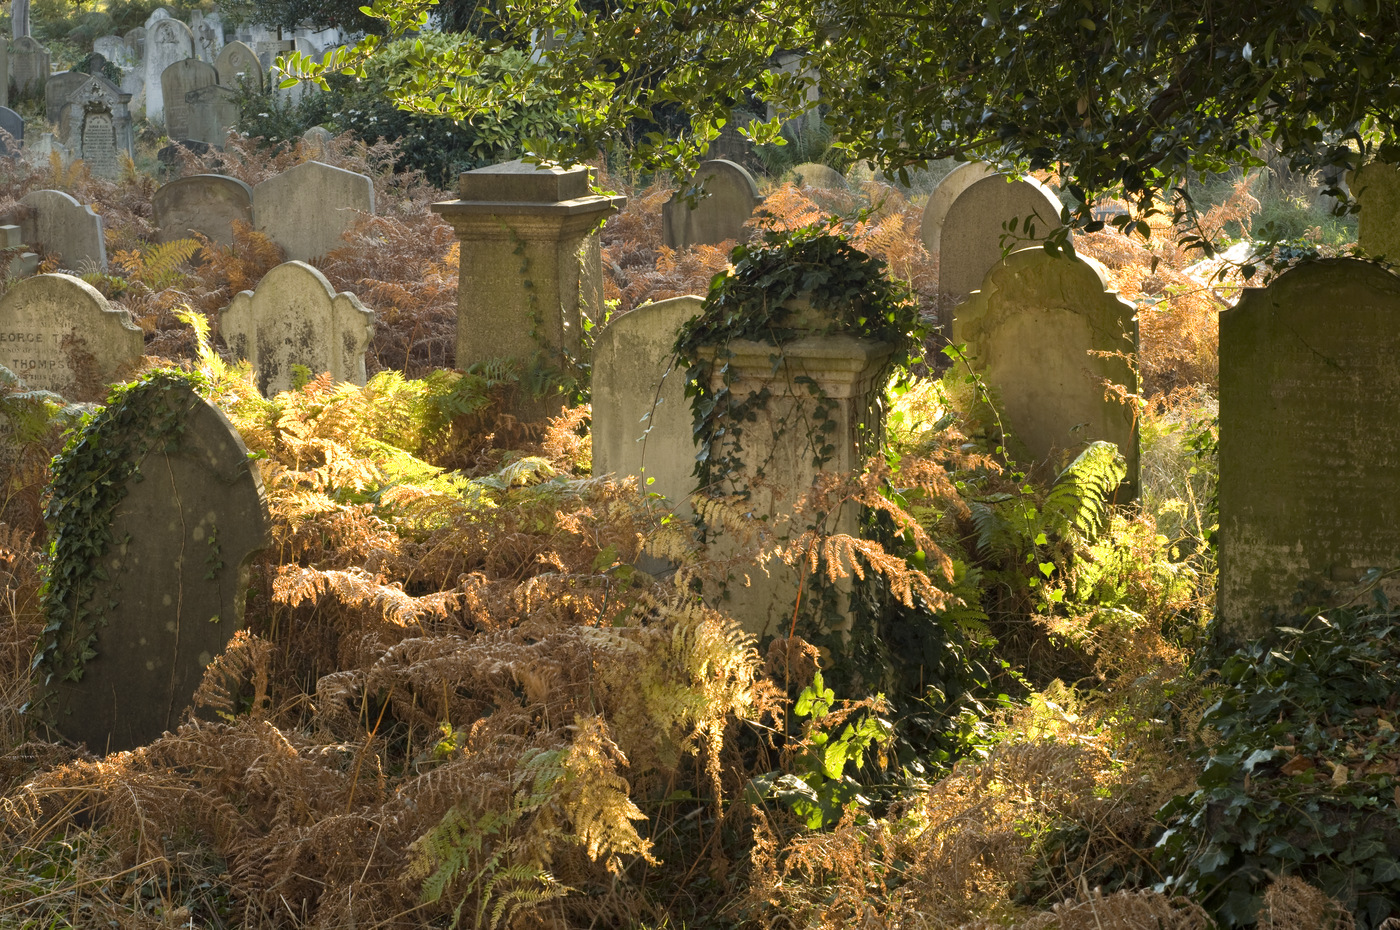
(308, 208)
(177, 82)
(237, 61)
(167, 41)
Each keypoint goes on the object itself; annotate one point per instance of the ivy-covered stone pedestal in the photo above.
(815, 416)
(531, 266)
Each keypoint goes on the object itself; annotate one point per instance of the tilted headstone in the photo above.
(1036, 332)
(171, 589)
(96, 125)
(812, 174)
(177, 82)
(296, 318)
(306, 209)
(135, 40)
(1376, 187)
(56, 92)
(238, 62)
(970, 238)
(729, 197)
(167, 42)
(541, 218)
(13, 125)
(1309, 440)
(29, 66)
(62, 225)
(642, 424)
(25, 263)
(59, 334)
(203, 203)
(213, 111)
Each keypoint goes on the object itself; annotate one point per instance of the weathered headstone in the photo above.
(40, 153)
(236, 63)
(514, 218)
(4, 74)
(135, 40)
(56, 92)
(812, 174)
(213, 111)
(23, 264)
(208, 31)
(641, 418)
(29, 66)
(96, 125)
(203, 203)
(177, 82)
(941, 200)
(59, 334)
(269, 49)
(1309, 439)
(306, 209)
(158, 14)
(167, 41)
(1036, 332)
(169, 155)
(317, 140)
(12, 125)
(114, 49)
(171, 589)
(969, 240)
(296, 318)
(729, 197)
(62, 225)
(1376, 187)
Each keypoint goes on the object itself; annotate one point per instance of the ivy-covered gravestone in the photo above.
(155, 512)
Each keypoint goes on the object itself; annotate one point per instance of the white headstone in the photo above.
(167, 41)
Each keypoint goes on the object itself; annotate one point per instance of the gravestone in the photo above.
(301, 89)
(1032, 332)
(177, 82)
(730, 196)
(23, 264)
(12, 124)
(42, 313)
(94, 64)
(40, 153)
(97, 126)
(641, 417)
(1376, 187)
(948, 190)
(213, 111)
(812, 174)
(169, 155)
(238, 62)
(158, 14)
(171, 591)
(294, 317)
(115, 49)
(514, 217)
(4, 74)
(167, 42)
(306, 209)
(317, 140)
(29, 66)
(63, 226)
(135, 40)
(203, 203)
(969, 239)
(208, 31)
(270, 48)
(1309, 440)
(57, 90)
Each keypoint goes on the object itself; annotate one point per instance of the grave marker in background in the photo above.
(732, 197)
(177, 82)
(1033, 332)
(238, 62)
(1309, 438)
(167, 41)
(66, 227)
(29, 66)
(306, 209)
(57, 90)
(203, 203)
(42, 313)
(1377, 189)
(296, 318)
(12, 123)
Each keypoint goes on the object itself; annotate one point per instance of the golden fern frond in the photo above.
(245, 655)
(596, 798)
(357, 587)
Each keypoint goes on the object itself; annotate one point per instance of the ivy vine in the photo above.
(91, 477)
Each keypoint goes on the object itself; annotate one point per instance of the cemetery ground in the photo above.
(476, 684)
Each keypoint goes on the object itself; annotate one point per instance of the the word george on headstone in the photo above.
(727, 198)
(62, 225)
(308, 208)
(1050, 339)
(294, 317)
(1309, 441)
(59, 334)
(202, 203)
(171, 591)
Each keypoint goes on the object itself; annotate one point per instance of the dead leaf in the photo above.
(1297, 765)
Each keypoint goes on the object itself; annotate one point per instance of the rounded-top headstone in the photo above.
(1047, 334)
(167, 41)
(60, 334)
(948, 190)
(970, 241)
(237, 62)
(812, 174)
(308, 208)
(729, 198)
(203, 203)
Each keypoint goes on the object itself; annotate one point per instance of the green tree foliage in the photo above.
(1135, 94)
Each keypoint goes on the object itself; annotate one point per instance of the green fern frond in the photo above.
(996, 537)
(1079, 499)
